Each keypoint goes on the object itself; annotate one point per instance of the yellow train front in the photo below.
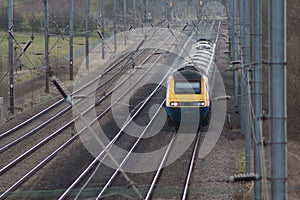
(187, 97)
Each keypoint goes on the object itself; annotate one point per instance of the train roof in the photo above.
(187, 74)
(204, 40)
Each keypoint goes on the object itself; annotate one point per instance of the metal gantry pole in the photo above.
(235, 53)
(125, 22)
(147, 11)
(71, 23)
(11, 57)
(241, 43)
(246, 62)
(87, 34)
(189, 9)
(277, 98)
(257, 91)
(155, 10)
(142, 14)
(134, 13)
(245, 124)
(231, 39)
(230, 25)
(46, 44)
(115, 24)
(198, 9)
(102, 28)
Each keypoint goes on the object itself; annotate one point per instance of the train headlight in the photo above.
(175, 104)
(201, 103)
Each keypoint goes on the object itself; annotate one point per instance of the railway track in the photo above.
(45, 117)
(13, 141)
(24, 156)
(183, 184)
(104, 153)
(95, 165)
(62, 137)
(42, 119)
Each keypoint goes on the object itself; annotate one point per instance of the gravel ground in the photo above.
(226, 158)
(26, 114)
(210, 173)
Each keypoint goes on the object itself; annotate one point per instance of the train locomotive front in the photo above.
(188, 88)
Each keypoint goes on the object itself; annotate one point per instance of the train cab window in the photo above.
(186, 87)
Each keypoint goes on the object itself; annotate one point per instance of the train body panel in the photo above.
(188, 114)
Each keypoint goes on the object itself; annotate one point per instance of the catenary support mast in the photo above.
(115, 25)
(102, 27)
(235, 53)
(87, 34)
(125, 22)
(246, 95)
(244, 105)
(257, 91)
(46, 44)
(10, 57)
(277, 98)
(71, 18)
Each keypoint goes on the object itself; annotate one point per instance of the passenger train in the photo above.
(189, 88)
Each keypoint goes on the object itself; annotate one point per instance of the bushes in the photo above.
(31, 16)
(18, 18)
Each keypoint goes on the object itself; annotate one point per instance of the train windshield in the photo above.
(185, 87)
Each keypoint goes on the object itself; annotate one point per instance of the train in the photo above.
(189, 88)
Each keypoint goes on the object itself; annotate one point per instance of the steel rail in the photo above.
(51, 156)
(159, 170)
(190, 170)
(48, 121)
(45, 123)
(81, 176)
(37, 167)
(37, 128)
(44, 161)
(160, 167)
(78, 180)
(48, 158)
(130, 151)
(106, 148)
(44, 141)
(114, 139)
(151, 189)
(196, 144)
(17, 127)
(34, 148)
